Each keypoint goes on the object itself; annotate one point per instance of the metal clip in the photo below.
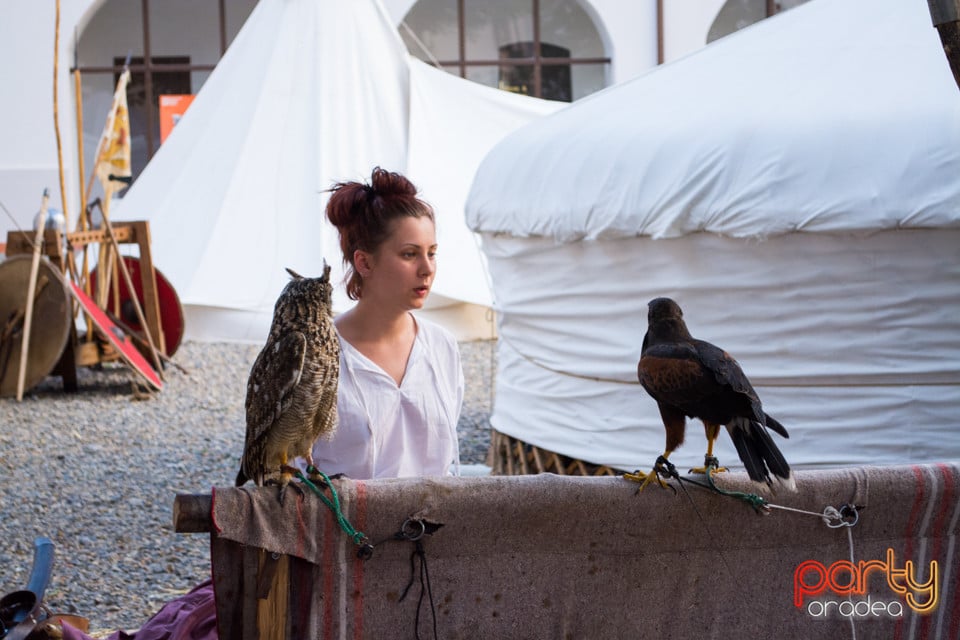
(365, 551)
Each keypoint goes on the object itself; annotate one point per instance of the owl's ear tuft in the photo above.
(326, 270)
(294, 274)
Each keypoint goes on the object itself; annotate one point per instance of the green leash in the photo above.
(758, 503)
(333, 503)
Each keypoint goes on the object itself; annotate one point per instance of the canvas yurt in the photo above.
(311, 93)
(795, 187)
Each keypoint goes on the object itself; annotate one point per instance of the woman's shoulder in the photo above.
(436, 335)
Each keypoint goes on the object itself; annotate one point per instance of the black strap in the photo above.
(418, 552)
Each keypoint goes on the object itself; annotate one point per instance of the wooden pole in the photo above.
(133, 294)
(56, 117)
(82, 278)
(105, 259)
(31, 289)
(191, 513)
(68, 255)
(81, 168)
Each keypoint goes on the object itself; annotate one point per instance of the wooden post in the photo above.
(191, 513)
(78, 106)
(56, 116)
(133, 297)
(104, 264)
(41, 223)
(272, 609)
(148, 281)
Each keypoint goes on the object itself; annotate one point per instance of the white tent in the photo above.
(795, 187)
(311, 92)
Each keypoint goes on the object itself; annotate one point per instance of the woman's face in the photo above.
(401, 271)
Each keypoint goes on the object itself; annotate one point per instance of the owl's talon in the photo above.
(316, 476)
(292, 485)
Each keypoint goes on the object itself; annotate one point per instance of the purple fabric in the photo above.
(192, 616)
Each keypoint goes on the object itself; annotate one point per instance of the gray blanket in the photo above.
(572, 557)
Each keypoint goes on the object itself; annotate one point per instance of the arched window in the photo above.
(545, 48)
(172, 46)
(737, 14)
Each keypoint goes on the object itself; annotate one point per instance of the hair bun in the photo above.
(388, 183)
(362, 213)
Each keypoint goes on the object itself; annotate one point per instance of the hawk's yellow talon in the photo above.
(703, 470)
(644, 479)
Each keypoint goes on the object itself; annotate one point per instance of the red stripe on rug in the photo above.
(361, 524)
(909, 533)
(953, 613)
(947, 504)
(328, 568)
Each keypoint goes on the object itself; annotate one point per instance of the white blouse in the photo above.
(389, 431)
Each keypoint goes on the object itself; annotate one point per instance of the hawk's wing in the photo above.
(727, 372)
(273, 378)
(724, 368)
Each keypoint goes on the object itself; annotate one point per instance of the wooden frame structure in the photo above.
(509, 456)
(87, 352)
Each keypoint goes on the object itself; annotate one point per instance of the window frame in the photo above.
(537, 61)
(149, 67)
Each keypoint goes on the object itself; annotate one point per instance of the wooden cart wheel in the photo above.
(171, 312)
(50, 327)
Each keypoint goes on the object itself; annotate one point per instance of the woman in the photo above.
(401, 381)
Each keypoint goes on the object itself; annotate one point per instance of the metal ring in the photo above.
(841, 516)
(845, 514)
(409, 532)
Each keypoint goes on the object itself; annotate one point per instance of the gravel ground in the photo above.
(96, 471)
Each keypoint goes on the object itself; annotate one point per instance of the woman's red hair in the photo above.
(364, 215)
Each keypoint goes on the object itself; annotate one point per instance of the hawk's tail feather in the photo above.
(760, 454)
(775, 425)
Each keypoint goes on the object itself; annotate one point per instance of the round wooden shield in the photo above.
(49, 328)
(171, 312)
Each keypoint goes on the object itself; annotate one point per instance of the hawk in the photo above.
(292, 389)
(693, 378)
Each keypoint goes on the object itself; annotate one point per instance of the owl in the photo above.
(292, 390)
